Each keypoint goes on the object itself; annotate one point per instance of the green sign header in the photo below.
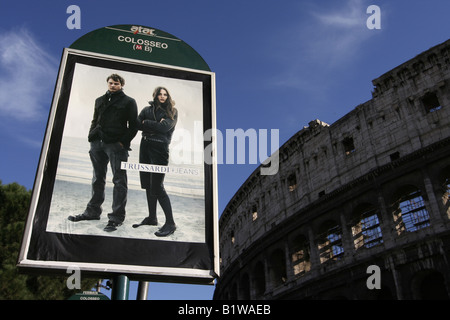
(141, 43)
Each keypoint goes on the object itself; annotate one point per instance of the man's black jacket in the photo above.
(114, 119)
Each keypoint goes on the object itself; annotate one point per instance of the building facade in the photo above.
(360, 209)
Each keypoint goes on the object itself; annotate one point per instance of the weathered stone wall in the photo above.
(326, 171)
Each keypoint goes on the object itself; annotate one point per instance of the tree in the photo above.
(14, 204)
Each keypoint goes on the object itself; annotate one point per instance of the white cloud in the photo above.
(27, 76)
(327, 39)
(339, 34)
(350, 15)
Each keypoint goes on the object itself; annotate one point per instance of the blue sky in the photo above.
(278, 65)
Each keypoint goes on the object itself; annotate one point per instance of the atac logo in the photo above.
(143, 30)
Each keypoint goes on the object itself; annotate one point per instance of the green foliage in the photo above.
(14, 204)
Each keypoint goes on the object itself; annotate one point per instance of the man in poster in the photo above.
(112, 128)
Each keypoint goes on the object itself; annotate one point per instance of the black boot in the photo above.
(166, 230)
(169, 227)
(151, 220)
(146, 222)
(84, 216)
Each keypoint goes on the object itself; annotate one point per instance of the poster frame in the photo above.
(48, 163)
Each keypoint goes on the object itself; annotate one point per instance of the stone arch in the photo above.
(233, 293)
(445, 184)
(330, 241)
(244, 288)
(259, 279)
(409, 210)
(429, 284)
(300, 255)
(278, 275)
(366, 230)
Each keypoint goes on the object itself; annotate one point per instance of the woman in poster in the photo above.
(157, 123)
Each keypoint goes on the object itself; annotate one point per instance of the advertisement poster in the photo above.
(70, 217)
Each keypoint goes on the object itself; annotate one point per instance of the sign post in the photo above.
(120, 288)
(147, 59)
(142, 290)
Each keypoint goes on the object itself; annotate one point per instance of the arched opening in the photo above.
(278, 268)
(330, 241)
(259, 279)
(446, 190)
(233, 292)
(300, 255)
(410, 213)
(366, 229)
(429, 285)
(245, 287)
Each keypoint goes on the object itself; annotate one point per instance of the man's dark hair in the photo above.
(116, 77)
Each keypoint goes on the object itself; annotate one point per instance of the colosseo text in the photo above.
(143, 42)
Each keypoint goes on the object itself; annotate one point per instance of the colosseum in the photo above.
(360, 209)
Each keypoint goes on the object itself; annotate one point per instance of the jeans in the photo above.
(101, 154)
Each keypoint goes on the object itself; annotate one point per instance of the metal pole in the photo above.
(99, 285)
(120, 288)
(142, 290)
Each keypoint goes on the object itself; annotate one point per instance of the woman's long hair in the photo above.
(167, 106)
